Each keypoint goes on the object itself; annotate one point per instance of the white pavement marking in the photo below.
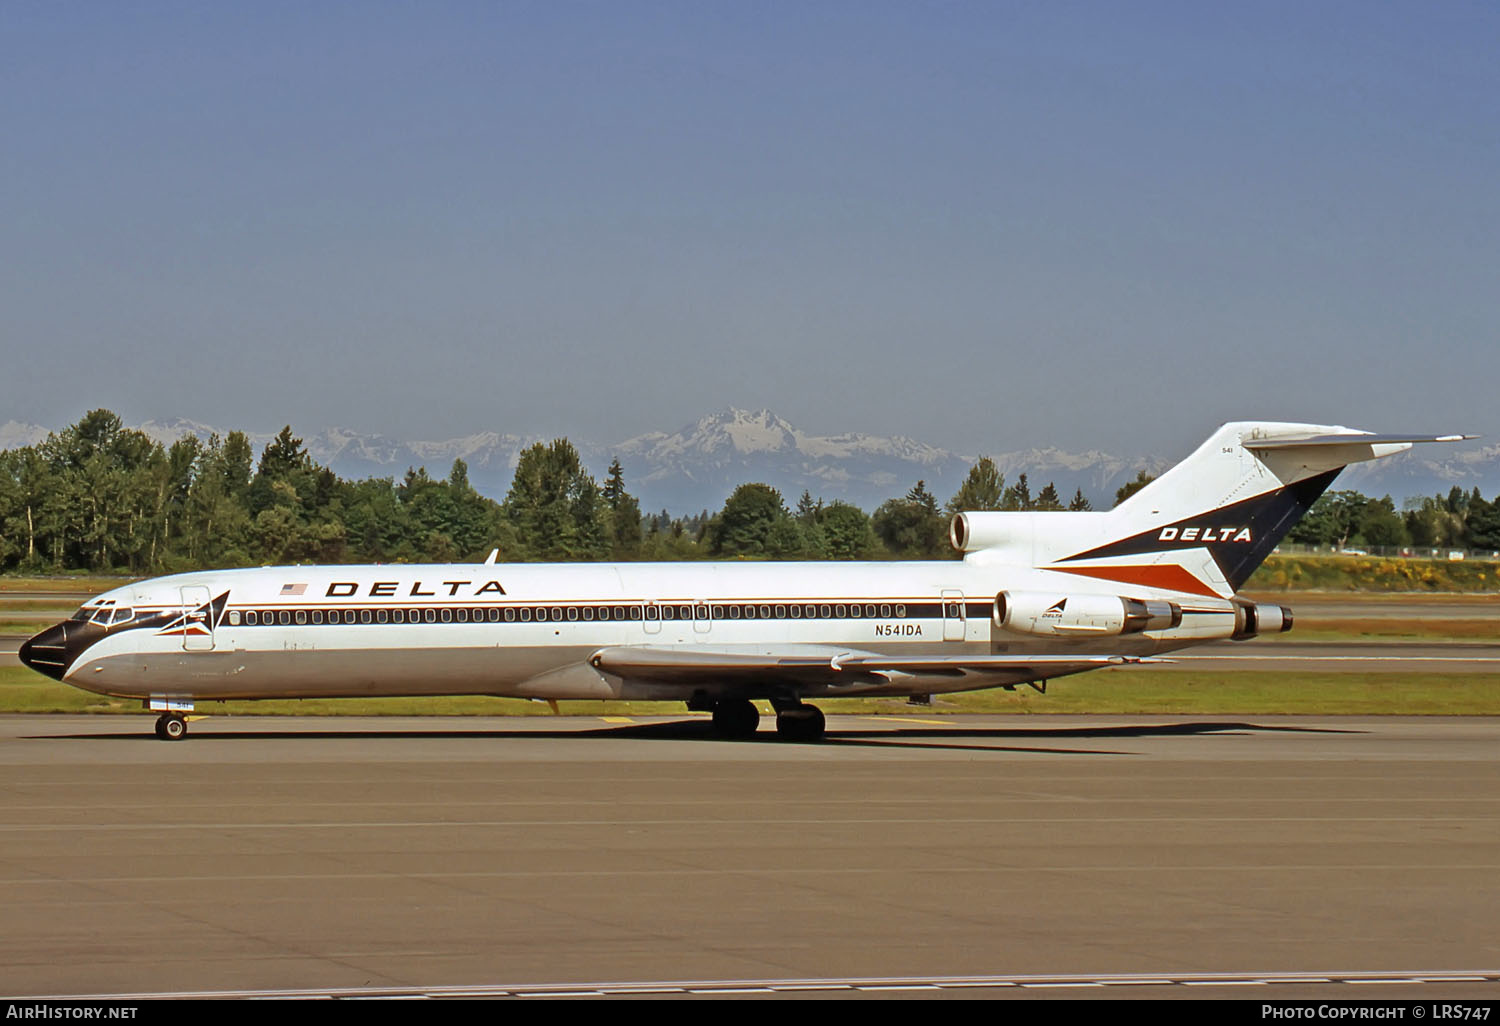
(868, 984)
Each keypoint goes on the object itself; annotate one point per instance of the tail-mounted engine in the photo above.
(1254, 618)
(1051, 615)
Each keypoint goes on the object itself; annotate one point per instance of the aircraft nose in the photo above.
(46, 653)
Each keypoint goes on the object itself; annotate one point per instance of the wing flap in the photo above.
(808, 665)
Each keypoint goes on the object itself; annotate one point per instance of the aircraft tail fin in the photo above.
(1203, 526)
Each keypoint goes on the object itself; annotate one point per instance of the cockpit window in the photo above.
(122, 614)
(82, 615)
(101, 615)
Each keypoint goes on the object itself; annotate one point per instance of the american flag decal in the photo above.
(293, 589)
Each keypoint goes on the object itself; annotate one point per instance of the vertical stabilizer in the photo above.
(1206, 524)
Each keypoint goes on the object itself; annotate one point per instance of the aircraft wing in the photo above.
(693, 665)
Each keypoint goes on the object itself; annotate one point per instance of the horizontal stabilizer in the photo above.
(1351, 438)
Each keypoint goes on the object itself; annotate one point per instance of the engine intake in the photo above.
(1051, 615)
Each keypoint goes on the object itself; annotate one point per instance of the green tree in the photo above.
(101, 506)
(32, 491)
(1381, 526)
(217, 515)
(912, 527)
(1483, 524)
(1047, 499)
(1017, 496)
(808, 511)
(624, 515)
(554, 506)
(1332, 520)
(983, 489)
(744, 526)
(848, 533)
(788, 538)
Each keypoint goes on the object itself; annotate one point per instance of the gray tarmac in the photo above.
(1007, 856)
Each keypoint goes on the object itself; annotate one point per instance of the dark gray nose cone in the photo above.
(47, 653)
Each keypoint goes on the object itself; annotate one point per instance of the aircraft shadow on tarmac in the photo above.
(701, 730)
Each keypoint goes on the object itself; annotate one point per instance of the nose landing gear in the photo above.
(171, 727)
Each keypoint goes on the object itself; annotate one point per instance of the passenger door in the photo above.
(953, 615)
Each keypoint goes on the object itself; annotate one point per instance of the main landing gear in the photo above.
(799, 722)
(738, 718)
(171, 727)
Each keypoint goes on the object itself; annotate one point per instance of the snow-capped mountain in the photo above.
(697, 466)
(1427, 470)
(16, 435)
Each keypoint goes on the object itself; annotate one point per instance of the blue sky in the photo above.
(988, 226)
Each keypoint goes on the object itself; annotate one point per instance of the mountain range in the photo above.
(696, 467)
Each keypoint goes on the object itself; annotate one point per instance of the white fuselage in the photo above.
(527, 630)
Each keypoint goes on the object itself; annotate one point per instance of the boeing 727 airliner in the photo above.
(1036, 596)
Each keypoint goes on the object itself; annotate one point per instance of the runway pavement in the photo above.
(1005, 855)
